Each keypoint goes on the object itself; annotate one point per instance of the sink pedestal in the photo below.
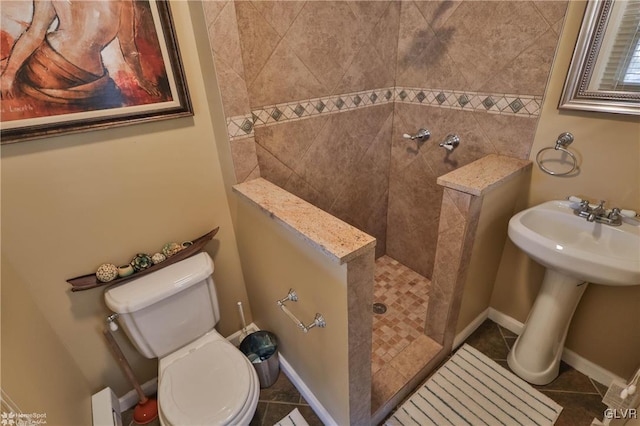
(535, 357)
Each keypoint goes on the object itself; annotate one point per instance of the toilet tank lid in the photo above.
(139, 293)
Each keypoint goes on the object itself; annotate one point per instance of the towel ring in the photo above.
(563, 141)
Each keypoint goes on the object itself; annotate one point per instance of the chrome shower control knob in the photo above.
(451, 142)
(422, 134)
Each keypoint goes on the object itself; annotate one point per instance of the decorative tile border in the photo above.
(522, 105)
(240, 127)
(274, 114)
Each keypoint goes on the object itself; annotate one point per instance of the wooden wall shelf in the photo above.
(87, 282)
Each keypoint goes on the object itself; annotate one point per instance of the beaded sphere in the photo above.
(170, 249)
(158, 257)
(107, 272)
(141, 261)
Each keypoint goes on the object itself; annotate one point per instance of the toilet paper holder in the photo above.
(292, 296)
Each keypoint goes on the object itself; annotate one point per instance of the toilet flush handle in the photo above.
(111, 320)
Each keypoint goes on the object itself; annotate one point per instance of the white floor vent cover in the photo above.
(471, 389)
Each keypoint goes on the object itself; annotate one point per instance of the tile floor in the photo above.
(406, 294)
(279, 400)
(580, 396)
(274, 403)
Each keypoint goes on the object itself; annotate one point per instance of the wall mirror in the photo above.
(604, 74)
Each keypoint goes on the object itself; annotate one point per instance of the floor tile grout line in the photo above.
(504, 339)
(593, 383)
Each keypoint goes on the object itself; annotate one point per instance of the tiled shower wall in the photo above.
(490, 60)
(317, 95)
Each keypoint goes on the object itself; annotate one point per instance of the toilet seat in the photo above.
(209, 384)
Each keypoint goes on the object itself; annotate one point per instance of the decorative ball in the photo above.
(141, 262)
(106, 272)
(158, 257)
(170, 249)
(125, 270)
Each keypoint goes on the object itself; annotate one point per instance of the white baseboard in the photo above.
(311, 399)
(576, 361)
(468, 330)
(503, 320)
(235, 338)
(589, 368)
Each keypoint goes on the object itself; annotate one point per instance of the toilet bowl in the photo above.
(208, 382)
(170, 315)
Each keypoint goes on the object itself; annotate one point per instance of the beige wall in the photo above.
(498, 205)
(70, 203)
(606, 326)
(275, 260)
(52, 384)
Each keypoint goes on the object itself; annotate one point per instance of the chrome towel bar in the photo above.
(318, 321)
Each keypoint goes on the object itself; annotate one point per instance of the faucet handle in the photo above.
(422, 134)
(451, 142)
(623, 212)
(583, 205)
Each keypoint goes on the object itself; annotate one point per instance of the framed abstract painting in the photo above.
(70, 66)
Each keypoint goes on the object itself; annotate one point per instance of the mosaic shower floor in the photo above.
(405, 294)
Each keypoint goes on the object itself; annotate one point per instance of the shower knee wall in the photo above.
(277, 255)
(477, 203)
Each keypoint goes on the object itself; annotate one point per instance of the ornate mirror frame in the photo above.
(576, 94)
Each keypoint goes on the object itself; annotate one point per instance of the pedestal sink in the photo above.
(575, 252)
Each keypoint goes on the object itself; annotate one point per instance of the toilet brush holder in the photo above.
(243, 333)
(146, 410)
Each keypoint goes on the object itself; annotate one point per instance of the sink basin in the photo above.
(553, 236)
(575, 252)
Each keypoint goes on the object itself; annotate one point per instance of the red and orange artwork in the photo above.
(60, 57)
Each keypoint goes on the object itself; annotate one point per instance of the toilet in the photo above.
(170, 314)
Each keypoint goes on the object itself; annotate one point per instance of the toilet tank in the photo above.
(167, 309)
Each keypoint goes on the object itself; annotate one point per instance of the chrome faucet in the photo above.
(597, 212)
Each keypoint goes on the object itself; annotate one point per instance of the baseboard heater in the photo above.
(105, 407)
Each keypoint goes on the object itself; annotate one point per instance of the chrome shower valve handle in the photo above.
(422, 134)
(451, 142)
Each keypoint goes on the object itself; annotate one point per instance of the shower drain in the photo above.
(379, 308)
